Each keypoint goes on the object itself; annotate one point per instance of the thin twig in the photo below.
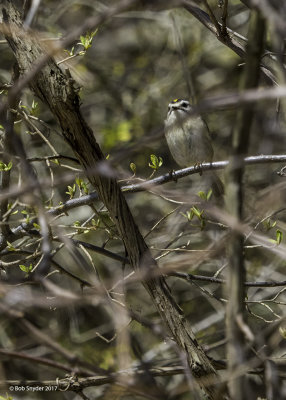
(224, 18)
(213, 17)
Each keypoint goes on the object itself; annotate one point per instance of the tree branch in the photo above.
(234, 45)
(25, 228)
(236, 347)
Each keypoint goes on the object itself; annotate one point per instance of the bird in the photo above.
(189, 141)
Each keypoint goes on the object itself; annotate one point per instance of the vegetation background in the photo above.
(93, 317)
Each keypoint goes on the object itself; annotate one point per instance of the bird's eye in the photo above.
(184, 104)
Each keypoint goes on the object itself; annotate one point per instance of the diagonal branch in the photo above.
(233, 44)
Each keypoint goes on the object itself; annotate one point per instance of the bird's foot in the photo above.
(198, 167)
(173, 175)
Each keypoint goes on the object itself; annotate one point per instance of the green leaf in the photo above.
(86, 41)
(78, 181)
(209, 194)
(6, 398)
(189, 215)
(34, 106)
(85, 187)
(10, 247)
(133, 167)
(82, 185)
(279, 236)
(26, 269)
(202, 195)
(268, 224)
(205, 196)
(95, 223)
(71, 190)
(82, 40)
(156, 162)
(282, 332)
(197, 212)
(77, 224)
(25, 212)
(71, 52)
(5, 167)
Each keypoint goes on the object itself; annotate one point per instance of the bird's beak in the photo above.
(174, 107)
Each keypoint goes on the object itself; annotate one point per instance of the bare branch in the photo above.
(237, 353)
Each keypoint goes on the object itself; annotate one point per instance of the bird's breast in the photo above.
(189, 142)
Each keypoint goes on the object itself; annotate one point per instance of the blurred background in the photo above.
(137, 63)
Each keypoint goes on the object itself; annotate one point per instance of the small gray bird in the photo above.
(189, 141)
